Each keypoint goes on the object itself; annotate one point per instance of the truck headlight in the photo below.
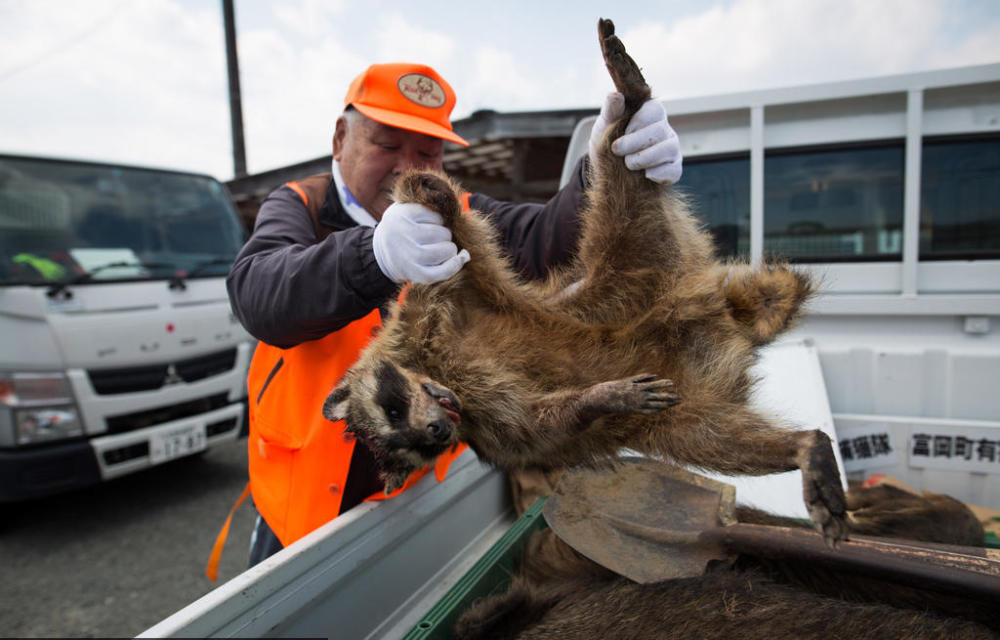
(43, 425)
(39, 407)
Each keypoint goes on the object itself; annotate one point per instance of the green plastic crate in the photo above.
(490, 575)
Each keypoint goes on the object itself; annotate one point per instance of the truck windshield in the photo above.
(63, 222)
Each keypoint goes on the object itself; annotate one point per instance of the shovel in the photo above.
(649, 521)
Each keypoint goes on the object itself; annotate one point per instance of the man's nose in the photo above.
(408, 159)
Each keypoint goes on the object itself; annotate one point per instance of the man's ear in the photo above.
(335, 407)
(339, 135)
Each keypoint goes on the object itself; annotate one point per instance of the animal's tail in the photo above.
(765, 300)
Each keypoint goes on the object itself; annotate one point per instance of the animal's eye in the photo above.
(393, 413)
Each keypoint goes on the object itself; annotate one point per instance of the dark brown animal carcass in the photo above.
(559, 593)
(725, 604)
(643, 343)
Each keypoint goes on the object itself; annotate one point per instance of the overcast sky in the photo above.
(144, 81)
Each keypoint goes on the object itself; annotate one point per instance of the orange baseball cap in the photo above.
(408, 96)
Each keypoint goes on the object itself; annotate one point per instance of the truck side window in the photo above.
(831, 205)
(719, 191)
(960, 199)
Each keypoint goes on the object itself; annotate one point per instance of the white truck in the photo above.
(118, 349)
(889, 190)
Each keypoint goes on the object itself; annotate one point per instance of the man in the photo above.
(330, 252)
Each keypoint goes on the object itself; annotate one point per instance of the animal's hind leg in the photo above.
(624, 71)
(735, 440)
(636, 236)
(487, 275)
(430, 189)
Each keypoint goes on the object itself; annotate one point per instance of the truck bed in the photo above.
(371, 573)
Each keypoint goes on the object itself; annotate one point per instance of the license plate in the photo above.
(175, 443)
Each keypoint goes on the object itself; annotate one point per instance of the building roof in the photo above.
(496, 140)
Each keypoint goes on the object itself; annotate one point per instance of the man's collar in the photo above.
(331, 213)
(347, 201)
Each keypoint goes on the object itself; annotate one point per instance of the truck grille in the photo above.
(159, 415)
(150, 377)
(141, 449)
(222, 426)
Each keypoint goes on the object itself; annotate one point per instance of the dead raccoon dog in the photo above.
(724, 604)
(644, 342)
(559, 593)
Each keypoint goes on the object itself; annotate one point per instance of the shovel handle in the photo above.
(938, 567)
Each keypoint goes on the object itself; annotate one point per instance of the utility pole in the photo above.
(235, 106)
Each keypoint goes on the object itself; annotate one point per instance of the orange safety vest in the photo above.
(298, 459)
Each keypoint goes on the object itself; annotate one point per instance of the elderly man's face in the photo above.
(372, 155)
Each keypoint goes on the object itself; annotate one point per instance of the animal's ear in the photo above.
(335, 407)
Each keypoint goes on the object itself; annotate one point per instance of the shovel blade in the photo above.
(642, 518)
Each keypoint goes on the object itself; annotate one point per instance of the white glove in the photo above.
(412, 245)
(649, 143)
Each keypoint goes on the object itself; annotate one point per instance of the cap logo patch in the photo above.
(421, 89)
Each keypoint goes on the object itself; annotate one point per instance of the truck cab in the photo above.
(118, 350)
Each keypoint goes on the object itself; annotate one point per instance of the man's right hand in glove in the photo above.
(412, 245)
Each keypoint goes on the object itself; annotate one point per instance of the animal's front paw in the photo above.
(393, 480)
(646, 394)
(822, 491)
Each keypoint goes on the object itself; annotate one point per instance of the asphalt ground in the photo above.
(114, 559)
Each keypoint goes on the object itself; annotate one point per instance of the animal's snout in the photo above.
(439, 430)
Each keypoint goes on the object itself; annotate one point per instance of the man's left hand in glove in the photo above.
(650, 144)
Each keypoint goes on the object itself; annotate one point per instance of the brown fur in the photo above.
(729, 605)
(888, 511)
(559, 593)
(644, 343)
(883, 510)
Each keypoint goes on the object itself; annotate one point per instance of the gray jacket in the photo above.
(286, 287)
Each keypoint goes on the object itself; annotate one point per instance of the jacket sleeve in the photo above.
(539, 237)
(285, 288)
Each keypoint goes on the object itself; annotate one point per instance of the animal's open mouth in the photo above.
(450, 410)
(447, 400)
